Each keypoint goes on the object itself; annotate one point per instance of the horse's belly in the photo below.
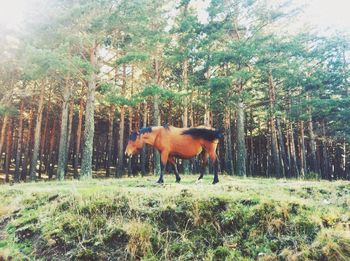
(187, 152)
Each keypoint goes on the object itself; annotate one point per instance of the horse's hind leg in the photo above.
(173, 162)
(163, 161)
(204, 164)
(214, 159)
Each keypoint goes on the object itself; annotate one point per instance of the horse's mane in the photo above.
(196, 133)
(145, 130)
(134, 134)
(204, 133)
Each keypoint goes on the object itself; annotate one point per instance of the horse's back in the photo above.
(178, 144)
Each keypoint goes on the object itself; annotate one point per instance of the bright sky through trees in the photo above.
(11, 13)
(327, 13)
(322, 14)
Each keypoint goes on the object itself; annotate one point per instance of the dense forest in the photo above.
(80, 75)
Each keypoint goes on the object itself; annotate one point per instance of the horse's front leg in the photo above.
(173, 162)
(163, 161)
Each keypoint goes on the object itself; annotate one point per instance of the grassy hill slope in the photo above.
(133, 218)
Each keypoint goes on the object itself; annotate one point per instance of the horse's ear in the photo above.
(221, 130)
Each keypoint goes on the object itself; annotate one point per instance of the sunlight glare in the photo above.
(11, 13)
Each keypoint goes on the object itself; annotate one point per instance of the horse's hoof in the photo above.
(178, 180)
(160, 182)
(215, 181)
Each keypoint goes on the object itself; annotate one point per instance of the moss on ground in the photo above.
(132, 219)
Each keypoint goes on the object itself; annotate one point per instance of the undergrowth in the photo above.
(133, 219)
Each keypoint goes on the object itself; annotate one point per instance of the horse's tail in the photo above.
(204, 133)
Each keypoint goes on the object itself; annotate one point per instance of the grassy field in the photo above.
(133, 219)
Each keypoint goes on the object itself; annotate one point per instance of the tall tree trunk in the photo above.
(251, 145)
(260, 153)
(326, 167)
(206, 115)
(185, 112)
(28, 141)
(274, 142)
(120, 168)
(303, 166)
(282, 148)
(293, 157)
(37, 133)
(3, 133)
(51, 157)
(130, 130)
(144, 149)
(191, 111)
(241, 148)
(313, 146)
(314, 160)
(170, 115)
(78, 135)
(86, 162)
(19, 142)
(43, 139)
(344, 158)
(110, 139)
(227, 141)
(62, 151)
(156, 116)
(8, 151)
(69, 131)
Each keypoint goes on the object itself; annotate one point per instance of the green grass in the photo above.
(134, 218)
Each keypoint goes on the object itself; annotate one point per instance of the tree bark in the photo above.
(130, 130)
(293, 157)
(51, 154)
(69, 131)
(344, 158)
(227, 141)
(274, 142)
(241, 148)
(26, 160)
(120, 168)
(314, 160)
(156, 116)
(144, 149)
(86, 162)
(19, 142)
(110, 139)
(303, 166)
(43, 139)
(282, 149)
(37, 133)
(3, 133)
(62, 151)
(326, 167)
(185, 112)
(8, 151)
(78, 135)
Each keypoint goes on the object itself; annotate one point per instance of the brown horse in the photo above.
(184, 143)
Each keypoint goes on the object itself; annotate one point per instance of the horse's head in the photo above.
(135, 144)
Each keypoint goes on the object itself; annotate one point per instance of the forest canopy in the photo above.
(77, 77)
